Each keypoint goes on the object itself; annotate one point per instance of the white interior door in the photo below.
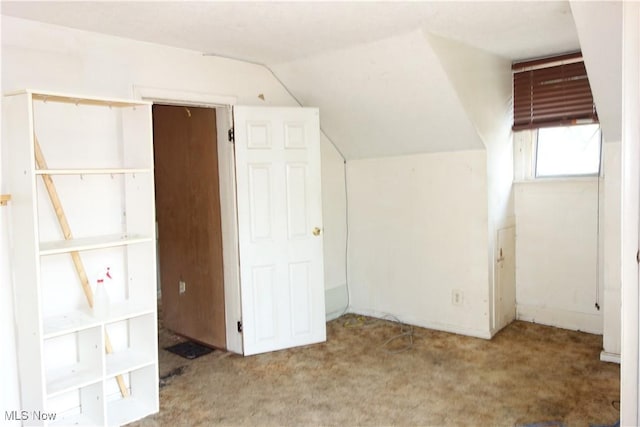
(279, 227)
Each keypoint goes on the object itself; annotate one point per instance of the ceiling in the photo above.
(370, 67)
(276, 32)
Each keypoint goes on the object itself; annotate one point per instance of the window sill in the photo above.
(558, 179)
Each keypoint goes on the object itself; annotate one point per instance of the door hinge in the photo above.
(638, 256)
(240, 326)
(232, 137)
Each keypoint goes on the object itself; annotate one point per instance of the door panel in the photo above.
(279, 206)
(188, 215)
(260, 202)
(296, 201)
(299, 287)
(263, 279)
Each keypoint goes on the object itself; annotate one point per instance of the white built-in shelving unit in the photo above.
(82, 368)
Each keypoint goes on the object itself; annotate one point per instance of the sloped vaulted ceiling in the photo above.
(368, 66)
(599, 26)
(389, 97)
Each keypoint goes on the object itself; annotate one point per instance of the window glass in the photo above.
(568, 151)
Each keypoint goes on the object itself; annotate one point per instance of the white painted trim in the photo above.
(566, 319)
(497, 279)
(630, 353)
(229, 223)
(454, 329)
(335, 315)
(556, 180)
(495, 331)
(605, 356)
(226, 165)
(181, 97)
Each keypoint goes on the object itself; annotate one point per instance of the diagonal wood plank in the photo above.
(75, 256)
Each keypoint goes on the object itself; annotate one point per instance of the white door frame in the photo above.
(228, 210)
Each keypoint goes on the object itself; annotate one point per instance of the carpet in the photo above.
(527, 373)
(544, 424)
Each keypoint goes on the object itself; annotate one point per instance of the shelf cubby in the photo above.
(73, 360)
(142, 399)
(84, 406)
(121, 209)
(135, 335)
(80, 134)
(130, 284)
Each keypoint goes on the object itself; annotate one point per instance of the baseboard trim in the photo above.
(605, 356)
(565, 319)
(454, 329)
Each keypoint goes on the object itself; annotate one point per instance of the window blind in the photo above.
(552, 92)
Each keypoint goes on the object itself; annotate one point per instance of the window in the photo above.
(568, 151)
(552, 100)
(551, 92)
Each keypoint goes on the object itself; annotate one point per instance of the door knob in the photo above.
(316, 231)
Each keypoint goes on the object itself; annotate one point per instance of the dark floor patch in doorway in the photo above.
(164, 379)
(189, 349)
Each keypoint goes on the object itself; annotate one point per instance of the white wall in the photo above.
(599, 27)
(418, 231)
(611, 242)
(557, 253)
(9, 391)
(46, 57)
(483, 84)
(417, 221)
(334, 205)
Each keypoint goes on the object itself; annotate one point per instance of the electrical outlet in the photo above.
(456, 297)
(182, 286)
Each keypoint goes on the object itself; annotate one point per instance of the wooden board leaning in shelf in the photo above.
(75, 256)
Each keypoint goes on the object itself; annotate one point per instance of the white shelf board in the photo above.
(96, 171)
(72, 321)
(71, 378)
(89, 243)
(127, 410)
(78, 320)
(43, 95)
(129, 360)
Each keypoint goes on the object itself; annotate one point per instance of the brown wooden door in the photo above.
(188, 215)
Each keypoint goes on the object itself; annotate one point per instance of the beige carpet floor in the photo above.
(527, 374)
